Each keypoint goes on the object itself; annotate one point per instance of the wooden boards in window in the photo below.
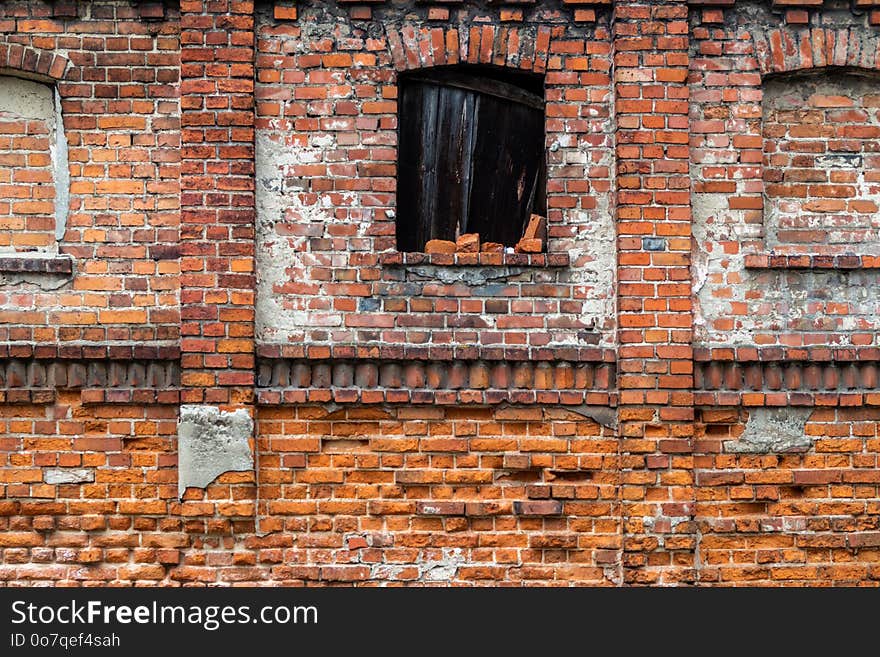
(471, 156)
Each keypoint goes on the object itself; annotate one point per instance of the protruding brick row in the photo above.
(788, 375)
(510, 355)
(439, 375)
(72, 374)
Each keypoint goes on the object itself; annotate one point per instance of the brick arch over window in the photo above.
(785, 50)
(512, 47)
(35, 63)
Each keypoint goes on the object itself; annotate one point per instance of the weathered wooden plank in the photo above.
(483, 85)
(470, 159)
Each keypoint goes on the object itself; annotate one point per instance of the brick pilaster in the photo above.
(650, 41)
(217, 202)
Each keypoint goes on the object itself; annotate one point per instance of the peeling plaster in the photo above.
(442, 569)
(773, 431)
(61, 169)
(211, 442)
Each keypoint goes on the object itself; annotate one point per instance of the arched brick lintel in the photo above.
(785, 50)
(33, 63)
(522, 48)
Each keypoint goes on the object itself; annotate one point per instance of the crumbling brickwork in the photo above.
(218, 366)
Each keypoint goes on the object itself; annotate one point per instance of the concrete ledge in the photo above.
(27, 263)
(476, 259)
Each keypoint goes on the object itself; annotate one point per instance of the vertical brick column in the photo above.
(217, 199)
(654, 292)
(217, 249)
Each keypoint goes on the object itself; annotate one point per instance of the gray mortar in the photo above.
(211, 442)
(44, 282)
(430, 568)
(466, 275)
(27, 99)
(772, 431)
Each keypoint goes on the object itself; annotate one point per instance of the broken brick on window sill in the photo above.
(811, 261)
(476, 259)
(27, 263)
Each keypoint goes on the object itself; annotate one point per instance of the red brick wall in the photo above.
(806, 516)
(425, 494)
(667, 397)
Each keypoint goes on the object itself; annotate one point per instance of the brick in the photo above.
(467, 243)
(538, 508)
(526, 245)
(440, 246)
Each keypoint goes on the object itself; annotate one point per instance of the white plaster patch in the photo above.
(211, 442)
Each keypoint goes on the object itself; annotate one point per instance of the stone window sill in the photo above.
(812, 261)
(32, 263)
(476, 259)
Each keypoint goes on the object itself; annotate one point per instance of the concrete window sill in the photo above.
(32, 263)
(816, 261)
(476, 259)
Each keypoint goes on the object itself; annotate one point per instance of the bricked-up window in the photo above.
(822, 162)
(471, 156)
(30, 149)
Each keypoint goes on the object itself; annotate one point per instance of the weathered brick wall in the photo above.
(117, 78)
(821, 171)
(326, 163)
(219, 370)
(516, 494)
(802, 511)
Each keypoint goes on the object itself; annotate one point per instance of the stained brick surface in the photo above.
(683, 389)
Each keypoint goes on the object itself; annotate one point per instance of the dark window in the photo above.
(471, 155)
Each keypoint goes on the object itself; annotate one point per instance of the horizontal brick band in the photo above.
(37, 374)
(437, 375)
(34, 264)
(435, 353)
(131, 396)
(769, 354)
(791, 376)
(89, 351)
(27, 396)
(273, 397)
(812, 261)
(477, 259)
(781, 399)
